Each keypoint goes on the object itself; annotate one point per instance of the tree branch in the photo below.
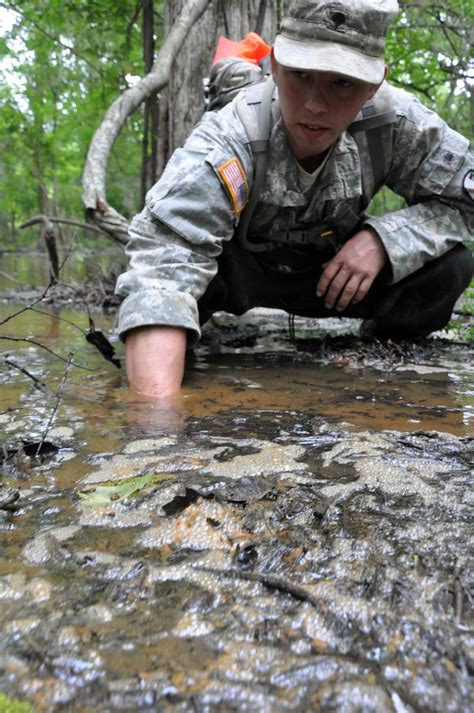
(8, 338)
(66, 221)
(94, 176)
(53, 38)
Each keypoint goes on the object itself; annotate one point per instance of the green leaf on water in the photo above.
(110, 492)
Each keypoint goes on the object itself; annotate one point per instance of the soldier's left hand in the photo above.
(348, 277)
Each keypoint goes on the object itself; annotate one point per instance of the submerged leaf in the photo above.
(112, 492)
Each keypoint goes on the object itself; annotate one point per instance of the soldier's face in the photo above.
(316, 107)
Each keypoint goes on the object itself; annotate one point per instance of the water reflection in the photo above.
(440, 398)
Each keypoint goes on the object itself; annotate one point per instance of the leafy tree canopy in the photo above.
(61, 65)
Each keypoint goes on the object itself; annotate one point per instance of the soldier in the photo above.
(310, 249)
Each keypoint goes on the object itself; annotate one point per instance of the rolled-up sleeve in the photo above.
(175, 241)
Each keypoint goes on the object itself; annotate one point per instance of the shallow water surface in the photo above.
(301, 542)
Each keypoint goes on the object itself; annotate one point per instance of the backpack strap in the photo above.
(260, 149)
(371, 120)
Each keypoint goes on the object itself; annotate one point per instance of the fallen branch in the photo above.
(38, 383)
(35, 219)
(285, 586)
(24, 309)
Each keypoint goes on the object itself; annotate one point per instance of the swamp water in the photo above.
(291, 534)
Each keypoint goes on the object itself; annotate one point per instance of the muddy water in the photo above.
(302, 543)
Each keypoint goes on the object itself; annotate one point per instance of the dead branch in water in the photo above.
(37, 382)
(58, 401)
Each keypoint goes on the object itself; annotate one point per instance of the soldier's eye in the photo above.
(344, 83)
(299, 74)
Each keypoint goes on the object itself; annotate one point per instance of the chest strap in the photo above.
(260, 149)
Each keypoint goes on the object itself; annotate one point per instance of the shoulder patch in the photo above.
(468, 184)
(232, 175)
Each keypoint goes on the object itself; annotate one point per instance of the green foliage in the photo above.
(429, 52)
(107, 493)
(61, 66)
(10, 705)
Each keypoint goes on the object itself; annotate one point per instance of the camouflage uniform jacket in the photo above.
(195, 206)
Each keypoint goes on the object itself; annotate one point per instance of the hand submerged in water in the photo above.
(348, 277)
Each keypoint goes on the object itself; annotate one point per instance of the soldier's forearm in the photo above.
(155, 360)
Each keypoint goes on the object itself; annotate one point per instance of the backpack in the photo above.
(251, 65)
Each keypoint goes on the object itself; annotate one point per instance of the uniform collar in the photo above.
(340, 179)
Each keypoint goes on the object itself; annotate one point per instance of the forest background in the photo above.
(63, 63)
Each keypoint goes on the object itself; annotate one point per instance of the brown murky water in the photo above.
(303, 546)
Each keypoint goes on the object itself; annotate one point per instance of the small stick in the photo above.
(65, 221)
(27, 307)
(10, 277)
(38, 344)
(38, 383)
(284, 585)
(56, 405)
(458, 601)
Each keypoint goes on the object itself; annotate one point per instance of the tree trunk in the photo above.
(181, 103)
(150, 125)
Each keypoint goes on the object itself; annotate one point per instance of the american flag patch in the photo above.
(233, 176)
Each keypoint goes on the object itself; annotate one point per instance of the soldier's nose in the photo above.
(316, 102)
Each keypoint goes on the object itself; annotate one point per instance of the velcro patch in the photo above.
(468, 184)
(233, 176)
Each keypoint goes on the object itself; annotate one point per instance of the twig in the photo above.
(42, 346)
(25, 309)
(44, 293)
(458, 601)
(60, 319)
(10, 277)
(66, 221)
(56, 405)
(284, 585)
(38, 383)
(78, 294)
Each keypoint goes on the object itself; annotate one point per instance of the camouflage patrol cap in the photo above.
(343, 36)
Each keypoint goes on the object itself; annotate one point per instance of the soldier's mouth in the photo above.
(314, 128)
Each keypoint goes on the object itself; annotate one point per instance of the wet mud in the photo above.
(292, 534)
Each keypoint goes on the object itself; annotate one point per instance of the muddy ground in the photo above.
(293, 534)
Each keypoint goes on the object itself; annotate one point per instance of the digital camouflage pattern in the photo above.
(176, 239)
